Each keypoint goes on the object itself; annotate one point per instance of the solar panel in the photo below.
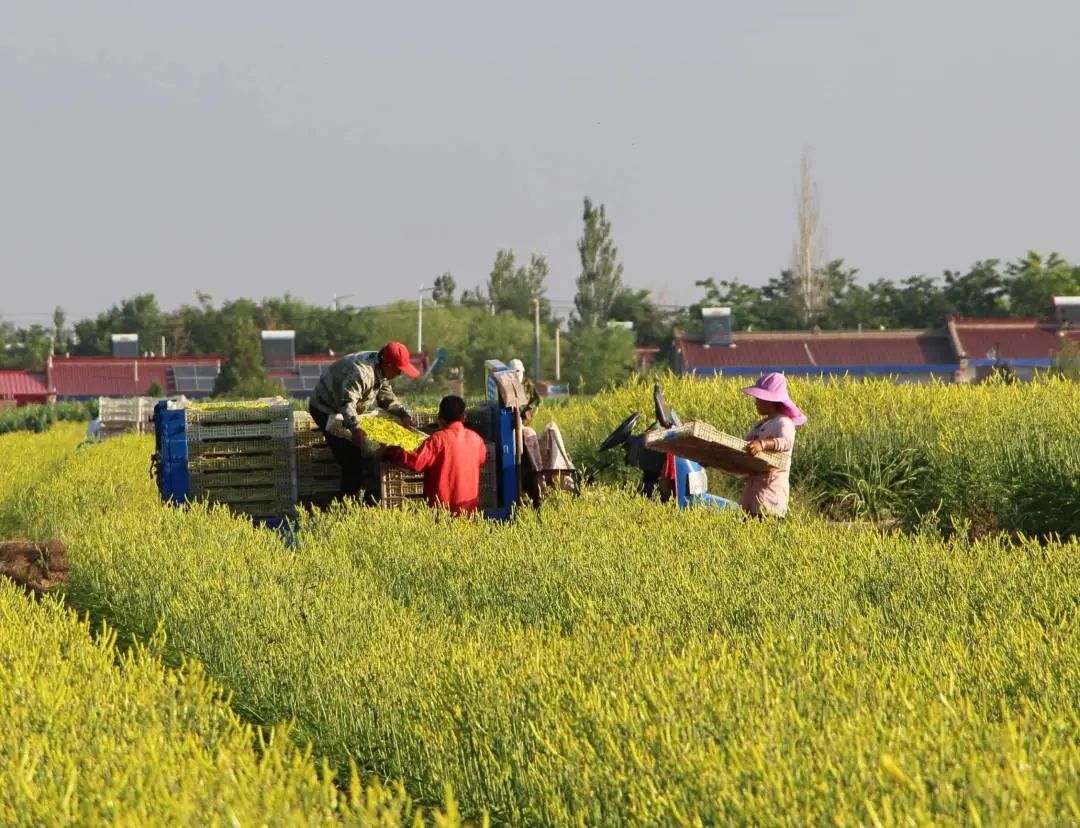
(195, 379)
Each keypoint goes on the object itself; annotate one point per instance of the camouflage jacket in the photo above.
(355, 384)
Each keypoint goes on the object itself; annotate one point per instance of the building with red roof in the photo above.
(1025, 346)
(966, 349)
(90, 377)
(23, 388)
(910, 355)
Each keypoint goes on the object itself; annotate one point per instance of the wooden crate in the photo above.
(713, 448)
(398, 485)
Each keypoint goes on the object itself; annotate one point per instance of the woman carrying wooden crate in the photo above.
(767, 492)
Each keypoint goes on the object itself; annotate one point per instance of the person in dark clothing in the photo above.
(353, 384)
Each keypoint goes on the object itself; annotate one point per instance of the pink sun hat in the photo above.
(773, 388)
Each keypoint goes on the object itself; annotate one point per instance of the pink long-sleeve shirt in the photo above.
(767, 493)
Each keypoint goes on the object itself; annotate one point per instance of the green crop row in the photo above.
(990, 456)
(38, 418)
(87, 739)
(611, 660)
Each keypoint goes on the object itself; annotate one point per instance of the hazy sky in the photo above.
(254, 148)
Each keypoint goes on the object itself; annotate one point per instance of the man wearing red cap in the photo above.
(353, 384)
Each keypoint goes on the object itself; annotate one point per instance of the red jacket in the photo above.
(450, 460)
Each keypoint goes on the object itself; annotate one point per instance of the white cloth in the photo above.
(518, 367)
(553, 450)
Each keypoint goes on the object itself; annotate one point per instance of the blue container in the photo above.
(170, 439)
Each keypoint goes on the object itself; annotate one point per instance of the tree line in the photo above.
(495, 319)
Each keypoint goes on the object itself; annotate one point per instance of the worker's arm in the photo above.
(355, 388)
(371, 449)
(387, 400)
(785, 439)
(782, 439)
(416, 461)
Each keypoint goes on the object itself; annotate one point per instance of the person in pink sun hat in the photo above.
(767, 493)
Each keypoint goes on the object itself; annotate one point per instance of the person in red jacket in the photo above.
(450, 460)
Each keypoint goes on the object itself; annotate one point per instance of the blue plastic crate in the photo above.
(169, 422)
(174, 482)
(174, 450)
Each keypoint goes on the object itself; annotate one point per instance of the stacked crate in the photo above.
(263, 459)
(241, 455)
(398, 485)
(244, 456)
(127, 415)
(318, 474)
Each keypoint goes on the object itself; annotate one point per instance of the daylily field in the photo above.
(904, 648)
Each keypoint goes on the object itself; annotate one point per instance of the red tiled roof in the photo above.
(979, 339)
(106, 376)
(828, 349)
(22, 384)
(84, 378)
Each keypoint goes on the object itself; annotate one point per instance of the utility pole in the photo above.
(536, 339)
(338, 298)
(420, 318)
(557, 361)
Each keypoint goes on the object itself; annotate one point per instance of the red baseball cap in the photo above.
(396, 354)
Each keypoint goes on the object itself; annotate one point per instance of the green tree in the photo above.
(784, 307)
(1032, 283)
(470, 335)
(848, 304)
(746, 303)
(60, 338)
(600, 282)
(138, 315)
(24, 349)
(474, 297)
(244, 374)
(652, 325)
(980, 292)
(513, 289)
(155, 390)
(443, 292)
(598, 357)
(918, 302)
(502, 336)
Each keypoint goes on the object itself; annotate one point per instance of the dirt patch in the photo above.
(37, 566)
